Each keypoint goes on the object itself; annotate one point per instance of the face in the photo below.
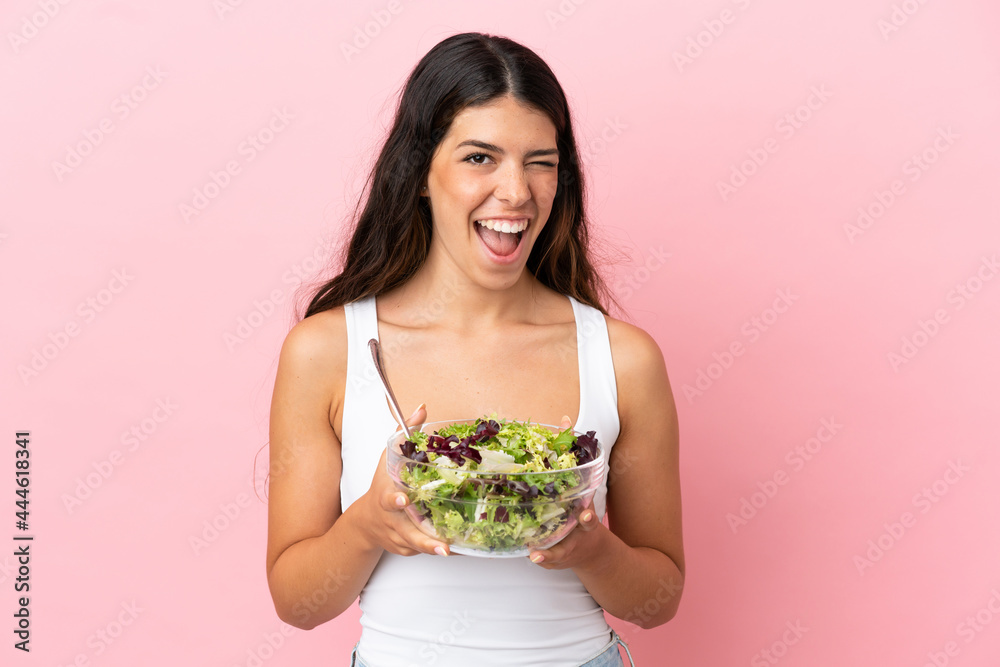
(491, 185)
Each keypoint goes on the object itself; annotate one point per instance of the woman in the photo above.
(469, 263)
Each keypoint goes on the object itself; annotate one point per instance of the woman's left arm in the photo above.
(635, 569)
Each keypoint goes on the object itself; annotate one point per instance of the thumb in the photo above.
(418, 416)
(566, 422)
(588, 518)
(394, 500)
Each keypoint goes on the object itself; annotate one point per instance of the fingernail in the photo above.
(537, 558)
(419, 408)
(440, 551)
(566, 418)
(587, 516)
(400, 500)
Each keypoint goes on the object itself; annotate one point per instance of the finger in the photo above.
(588, 518)
(418, 416)
(547, 558)
(566, 422)
(416, 538)
(421, 543)
(394, 500)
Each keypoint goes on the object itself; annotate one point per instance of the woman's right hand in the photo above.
(386, 523)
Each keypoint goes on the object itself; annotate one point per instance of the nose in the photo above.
(512, 187)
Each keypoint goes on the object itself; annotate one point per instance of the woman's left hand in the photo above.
(582, 548)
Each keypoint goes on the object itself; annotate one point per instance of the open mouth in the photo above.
(502, 237)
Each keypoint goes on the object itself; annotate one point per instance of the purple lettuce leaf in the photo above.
(410, 451)
(486, 430)
(585, 447)
(522, 488)
(453, 448)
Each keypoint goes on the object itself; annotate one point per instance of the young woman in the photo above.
(469, 262)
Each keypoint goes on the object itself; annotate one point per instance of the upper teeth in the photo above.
(505, 226)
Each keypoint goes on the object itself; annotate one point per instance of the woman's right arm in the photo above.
(319, 558)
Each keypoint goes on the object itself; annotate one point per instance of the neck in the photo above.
(441, 296)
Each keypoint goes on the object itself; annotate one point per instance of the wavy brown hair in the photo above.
(392, 235)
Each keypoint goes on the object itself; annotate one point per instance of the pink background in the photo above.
(659, 135)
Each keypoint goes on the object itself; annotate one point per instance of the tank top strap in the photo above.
(365, 409)
(362, 326)
(598, 387)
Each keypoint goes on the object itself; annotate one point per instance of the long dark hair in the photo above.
(393, 233)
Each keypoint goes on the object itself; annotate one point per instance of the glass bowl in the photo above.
(494, 511)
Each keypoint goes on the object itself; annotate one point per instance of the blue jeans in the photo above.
(606, 657)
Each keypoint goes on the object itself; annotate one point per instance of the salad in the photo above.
(497, 485)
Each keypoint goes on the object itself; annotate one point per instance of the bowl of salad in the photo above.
(496, 488)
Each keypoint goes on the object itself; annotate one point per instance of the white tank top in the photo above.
(463, 611)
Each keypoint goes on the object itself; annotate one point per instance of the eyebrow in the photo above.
(496, 149)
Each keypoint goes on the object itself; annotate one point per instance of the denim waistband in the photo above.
(606, 657)
(609, 655)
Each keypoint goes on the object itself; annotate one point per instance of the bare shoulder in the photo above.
(314, 356)
(641, 374)
(319, 342)
(634, 351)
